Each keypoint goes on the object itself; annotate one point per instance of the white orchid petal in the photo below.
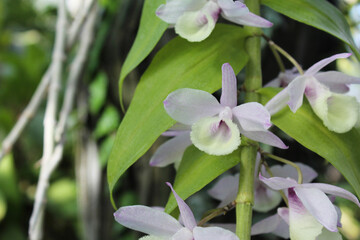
(185, 212)
(296, 92)
(252, 116)
(173, 9)
(229, 8)
(215, 136)
(151, 238)
(213, 233)
(147, 220)
(267, 225)
(249, 19)
(190, 105)
(229, 86)
(197, 25)
(266, 137)
(337, 82)
(319, 205)
(278, 102)
(183, 234)
(319, 65)
(333, 190)
(278, 183)
(303, 226)
(171, 151)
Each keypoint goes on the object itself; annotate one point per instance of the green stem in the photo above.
(253, 82)
(283, 160)
(245, 197)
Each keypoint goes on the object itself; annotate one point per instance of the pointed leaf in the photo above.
(150, 31)
(179, 64)
(320, 14)
(341, 150)
(196, 170)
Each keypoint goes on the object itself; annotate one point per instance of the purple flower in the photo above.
(225, 189)
(194, 20)
(324, 90)
(216, 127)
(161, 226)
(310, 210)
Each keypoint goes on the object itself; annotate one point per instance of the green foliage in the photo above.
(341, 150)
(98, 93)
(150, 31)
(320, 14)
(179, 64)
(108, 122)
(3, 206)
(196, 170)
(62, 197)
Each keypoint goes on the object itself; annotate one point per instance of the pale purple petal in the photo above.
(278, 102)
(252, 116)
(296, 92)
(283, 79)
(183, 234)
(224, 186)
(229, 8)
(213, 233)
(333, 190)
(319, 65)
(228, 226)
(173, 9)
(319, 205)
(185, 212)
(187, 105)
(303, 225)
(336, 81)
(278, 183)
(229, 86)
(171, 151)
(308, 173)
(266, 137)
(147, 220)
(249, 19)
(273, 224)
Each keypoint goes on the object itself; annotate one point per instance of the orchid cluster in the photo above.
(218, 127)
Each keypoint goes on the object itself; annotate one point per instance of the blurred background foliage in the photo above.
(26, 42)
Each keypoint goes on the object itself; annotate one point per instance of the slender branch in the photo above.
(217, 212)
(35, 231)
(40, 92)
(283, 160)
(284, 53)
(49, 163)
(277, 58)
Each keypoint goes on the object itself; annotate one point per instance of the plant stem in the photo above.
(253, 81)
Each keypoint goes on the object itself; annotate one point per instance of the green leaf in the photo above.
(180, 64)
(150, 31)
(108, 122)
(341, 150)
(196, 170)
(317, 13)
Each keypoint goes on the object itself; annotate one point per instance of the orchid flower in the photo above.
(161, 226)
(338, 112)
(310, 210)
(216, 127)
(225, 190)
(172, 150)
(278, 224)
(194, 20)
